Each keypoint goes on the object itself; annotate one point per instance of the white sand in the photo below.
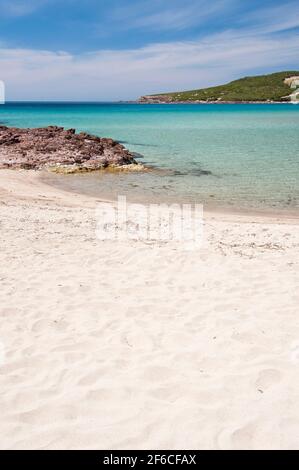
(129, 345)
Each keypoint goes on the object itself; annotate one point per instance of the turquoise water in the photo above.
(236, 156)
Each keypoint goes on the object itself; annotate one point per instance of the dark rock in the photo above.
(60, 150)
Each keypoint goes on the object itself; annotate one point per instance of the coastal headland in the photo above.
(280, 87)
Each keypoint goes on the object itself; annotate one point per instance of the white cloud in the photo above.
(126, 74)
(273, 20)
(168, 15)
(16, 8)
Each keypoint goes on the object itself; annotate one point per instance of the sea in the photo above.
(235, 157)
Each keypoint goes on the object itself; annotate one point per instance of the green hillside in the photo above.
(260, 88)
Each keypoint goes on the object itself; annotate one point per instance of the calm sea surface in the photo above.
(228, 156)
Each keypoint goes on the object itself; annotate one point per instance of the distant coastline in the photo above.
(281, 87)
(207, 102)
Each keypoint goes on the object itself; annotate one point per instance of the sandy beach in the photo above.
(134, 345)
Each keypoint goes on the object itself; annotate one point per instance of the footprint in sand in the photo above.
(243, 437)
(295, 353)
(235, 437)
(267, 378)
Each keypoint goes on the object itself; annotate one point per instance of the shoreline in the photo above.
(215, 102)
(146, 102)
(35, 185)
(209, 209)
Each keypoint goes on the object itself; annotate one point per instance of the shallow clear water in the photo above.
(237, 156)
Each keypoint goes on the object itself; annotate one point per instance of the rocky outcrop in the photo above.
(292, 82)
(60, 150)
(155, 99)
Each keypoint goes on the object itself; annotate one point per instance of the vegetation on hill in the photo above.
(260, 88)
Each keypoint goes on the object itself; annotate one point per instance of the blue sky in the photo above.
(120, 49)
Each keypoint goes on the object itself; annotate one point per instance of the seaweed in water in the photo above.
(137, 155)
(126, 142)
(196, 172)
